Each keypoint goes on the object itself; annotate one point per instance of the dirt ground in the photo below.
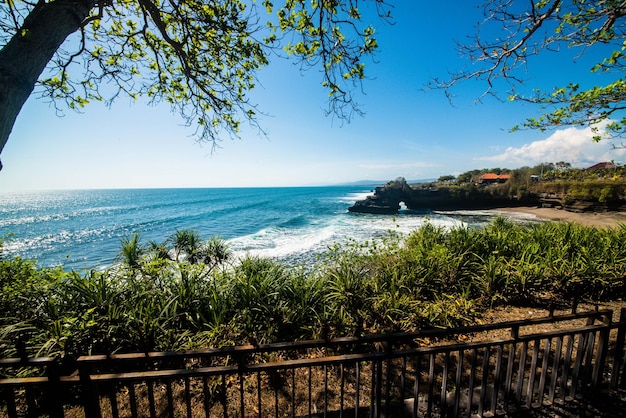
(515, 313)
(599, 219)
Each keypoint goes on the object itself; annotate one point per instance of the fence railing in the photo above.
(506, 367)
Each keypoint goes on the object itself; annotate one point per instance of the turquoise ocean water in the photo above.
(84, 229)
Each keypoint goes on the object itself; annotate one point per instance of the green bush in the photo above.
(434, 277)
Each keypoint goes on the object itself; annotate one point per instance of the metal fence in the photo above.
(507, 367)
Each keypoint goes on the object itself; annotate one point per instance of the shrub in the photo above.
(434, 277)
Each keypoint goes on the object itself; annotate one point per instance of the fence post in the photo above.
(90, 396)
(8, 395)
(378, 382)
(388, 345)
(618, 357)
(241, 366)
(603, 345)
(55, 395)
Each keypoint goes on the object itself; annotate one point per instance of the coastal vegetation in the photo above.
(603, 184)
(188, 292)
(601, 187)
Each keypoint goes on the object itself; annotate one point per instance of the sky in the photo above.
(405, 130)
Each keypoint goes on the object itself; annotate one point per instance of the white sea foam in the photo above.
(307, 242)
(517, 216)
(351, 198)
(280, 243)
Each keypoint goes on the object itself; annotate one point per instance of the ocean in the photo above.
(83, 229)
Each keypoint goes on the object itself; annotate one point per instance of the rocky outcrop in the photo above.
(386, 199)
(560, 201)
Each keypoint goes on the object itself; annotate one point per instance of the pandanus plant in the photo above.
(186, 243)
(132, 251)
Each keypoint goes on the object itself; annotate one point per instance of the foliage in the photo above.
(512, 34)
(605, 185)
(131, 251)
(186, 243)
(446, 178)
(434, 277)
(201, 58)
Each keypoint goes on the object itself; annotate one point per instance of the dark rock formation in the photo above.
(428, 196)
(562, 201)
(386, 199)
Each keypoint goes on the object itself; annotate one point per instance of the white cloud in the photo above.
(573, 145)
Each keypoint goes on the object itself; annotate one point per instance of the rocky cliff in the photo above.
(386, 199)
(561, 201)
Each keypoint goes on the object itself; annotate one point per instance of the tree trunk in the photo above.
(26, 55)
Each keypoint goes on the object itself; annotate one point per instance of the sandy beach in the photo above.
(601, 219)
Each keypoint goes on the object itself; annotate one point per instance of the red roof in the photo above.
(601, 165)
(489, 176)
(494, 176)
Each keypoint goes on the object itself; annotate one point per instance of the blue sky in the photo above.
(405, 131)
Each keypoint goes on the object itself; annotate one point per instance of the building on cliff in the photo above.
(491, 178)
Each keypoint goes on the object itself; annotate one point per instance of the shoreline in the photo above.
(597, 219)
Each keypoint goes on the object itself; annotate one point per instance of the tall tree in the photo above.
(515, 31)
(200, 56)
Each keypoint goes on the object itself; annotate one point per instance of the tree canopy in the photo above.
(201, 57)
(512, 32)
